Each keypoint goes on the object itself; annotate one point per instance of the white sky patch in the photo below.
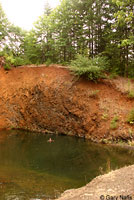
(24, 12)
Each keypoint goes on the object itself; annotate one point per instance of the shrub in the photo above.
(11, 60)
(114, 121)
(18, 61)
(7, 66)
(130, 118)
(101, 61)
(91, 69)
(48, 62)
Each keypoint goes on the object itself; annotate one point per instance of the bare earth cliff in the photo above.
(49, 99)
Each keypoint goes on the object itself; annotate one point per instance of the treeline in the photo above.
(87, 27)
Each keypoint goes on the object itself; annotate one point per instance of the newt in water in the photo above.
(50, 140)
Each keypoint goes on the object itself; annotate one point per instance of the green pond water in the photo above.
(31, 168)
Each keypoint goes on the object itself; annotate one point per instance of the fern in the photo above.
(91, 69)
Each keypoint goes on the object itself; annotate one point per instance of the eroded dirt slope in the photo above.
(49, 98)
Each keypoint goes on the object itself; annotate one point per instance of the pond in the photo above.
(32, 168)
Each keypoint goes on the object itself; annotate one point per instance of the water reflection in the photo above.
(33, 168)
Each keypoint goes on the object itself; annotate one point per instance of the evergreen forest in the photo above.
(101, 29)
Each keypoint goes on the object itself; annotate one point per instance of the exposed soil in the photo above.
(51, 99)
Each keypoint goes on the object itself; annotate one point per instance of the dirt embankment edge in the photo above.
(116, 185)
(49, 99)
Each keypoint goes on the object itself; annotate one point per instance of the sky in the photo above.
(24, 12)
